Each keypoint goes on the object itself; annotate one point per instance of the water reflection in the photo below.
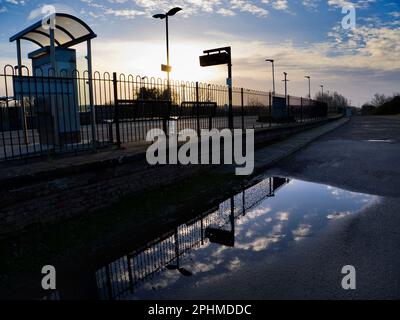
(251, 225)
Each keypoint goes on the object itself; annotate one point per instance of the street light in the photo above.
(286, 81)
(165, 16)
(273, 74)
(309, 86)
(322, 88)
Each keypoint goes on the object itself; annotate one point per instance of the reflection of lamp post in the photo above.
(309, 86)
(165, 16)
(322, 91)
(208, 92)
(273, 75)
(176, 266)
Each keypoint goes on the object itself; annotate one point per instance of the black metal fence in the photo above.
(45, 114)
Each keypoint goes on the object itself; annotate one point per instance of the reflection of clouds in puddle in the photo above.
(253, 214)
(303, 230)
(282, 215)
(276, 229)
(338, 215)
(234, 264)
(169, 278)
(204, 267)
(258, 244)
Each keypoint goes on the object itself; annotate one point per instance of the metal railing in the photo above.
(45, 114)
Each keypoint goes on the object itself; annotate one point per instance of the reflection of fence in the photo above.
(127, 273)
(45, 114)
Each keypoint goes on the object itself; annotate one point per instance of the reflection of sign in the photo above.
(214, 59)
(166, 68)
(224, 237)
(229, 82)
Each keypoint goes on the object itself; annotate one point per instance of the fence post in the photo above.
(116, 109)
(288, 108)
(242, 101)
(197, 109)
(301, 109)
(270, 109)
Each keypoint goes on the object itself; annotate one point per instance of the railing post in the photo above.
(242, 101)
(288, 108)
(116, 109)
(270, 109)
(197, 110)
(301, 109)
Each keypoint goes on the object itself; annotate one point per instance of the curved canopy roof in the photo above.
(69, 31)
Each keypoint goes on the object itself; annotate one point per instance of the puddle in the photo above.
(266, 219)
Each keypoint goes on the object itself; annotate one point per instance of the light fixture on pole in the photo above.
(273, 74)
(167, 68)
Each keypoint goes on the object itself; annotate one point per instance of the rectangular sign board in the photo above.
(166, 68)
(214, 59)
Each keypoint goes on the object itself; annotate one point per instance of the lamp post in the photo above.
(273, 74)
(286, 81)
(165, 16)
(322, 91)
(309, 86)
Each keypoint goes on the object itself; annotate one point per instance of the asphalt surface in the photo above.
(362, 156)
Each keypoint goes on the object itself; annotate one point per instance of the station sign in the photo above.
(214, 59)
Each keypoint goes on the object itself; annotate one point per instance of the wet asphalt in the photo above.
(361, 156)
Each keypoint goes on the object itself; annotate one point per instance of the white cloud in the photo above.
(16, 2)
(125, 13)
(248, 6)
(344, 3)
(311, 4)
(226, 12)
(3, 9)
(280, 5)
(395, 14)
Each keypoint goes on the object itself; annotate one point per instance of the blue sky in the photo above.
(303, 36)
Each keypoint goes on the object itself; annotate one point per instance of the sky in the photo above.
(304, 37)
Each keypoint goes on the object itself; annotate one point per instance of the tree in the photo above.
(379, 99)
(336, 102)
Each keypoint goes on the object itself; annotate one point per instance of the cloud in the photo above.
(361, 4)
(226, 12)
(249, 7)
(395, 14)
(3, 9)
(311, 5)
(280, 5)
(125, 13)
(37, 13)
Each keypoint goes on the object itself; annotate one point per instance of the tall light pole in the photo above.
(322, 90)
(165, 16)
(286, 81)
(273, 75)
(309, 86)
